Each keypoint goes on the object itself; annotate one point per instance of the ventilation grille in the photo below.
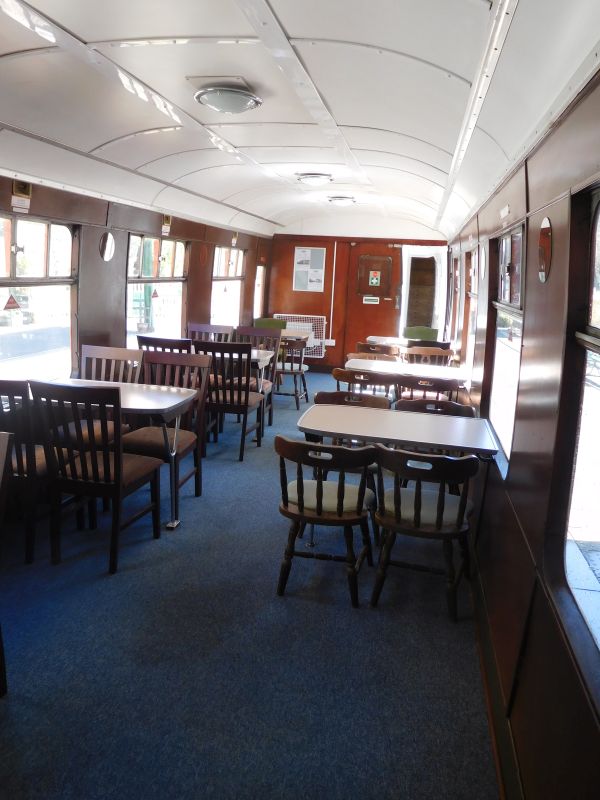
(315, 326)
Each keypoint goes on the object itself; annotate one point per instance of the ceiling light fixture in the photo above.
(341, 200)
(314, 178)
(227, 99)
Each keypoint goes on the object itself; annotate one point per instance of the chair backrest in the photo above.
(82, 432)
(321, 459)
(270, 322)
(420, 332)
(184, 370)
(119, 364)
(205, 332)
(291, 355)
(230, 372)
(16, 418)
(371, 357)
(425, 406)
(164, 345)
(378, 349)
(444, 345)
(263, 339)
(439, 473)
(363, 379)
(412, 387)
(427, 355)
(352, 399)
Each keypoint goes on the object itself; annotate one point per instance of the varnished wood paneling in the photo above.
(532, 459)
(507, 576)
(199, 281)
(187, 230)
(569, 156)
(554, 727)
(136, 220)
(55, 204)
(511, 197)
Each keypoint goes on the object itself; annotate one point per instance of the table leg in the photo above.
(174, 521)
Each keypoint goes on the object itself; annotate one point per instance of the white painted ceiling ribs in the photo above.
(416, 110)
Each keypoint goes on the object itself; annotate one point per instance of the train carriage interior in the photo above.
(423, 172)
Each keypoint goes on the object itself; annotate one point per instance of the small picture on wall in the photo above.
(309, 269)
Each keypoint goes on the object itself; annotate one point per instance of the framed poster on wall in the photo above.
(309, 269)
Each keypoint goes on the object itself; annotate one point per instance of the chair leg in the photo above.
(366, 538)
(305, 388)
(155, 499)
(286, 564)
(114, 536)
(55, 527)
(260, 423)
(198, 470)
(450, 579)
(296, 393)
(351, 565)
(384, 560)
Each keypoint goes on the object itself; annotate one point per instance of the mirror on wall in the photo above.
(107, 246)
(544, 250)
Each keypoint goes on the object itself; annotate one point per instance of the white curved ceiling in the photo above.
(417, 110)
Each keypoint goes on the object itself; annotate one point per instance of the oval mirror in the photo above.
(545, 249)
(107, 246)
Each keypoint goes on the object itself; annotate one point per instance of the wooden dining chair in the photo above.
(420, 504)
(371, 357)
(263, 339)
(413, 387)
(315, 500)
(6, 450)
(364, 381)
(229, 388)
(164, 345)
(291, 364)
(119, 364)
(187, 371)
(205, 332)
(378, 349)
(427, 355)
(27, 462)
(85, 458)
(435, 406)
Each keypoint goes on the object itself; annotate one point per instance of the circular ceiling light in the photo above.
(227, 99)
(341, 200)
(314, 178)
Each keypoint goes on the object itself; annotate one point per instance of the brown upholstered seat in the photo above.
(263, 339)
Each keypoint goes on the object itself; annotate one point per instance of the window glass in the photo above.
(35, 332)
(154, 308)
(31, 249)
(595, 291)
(228, 263)
(259, 291)
(4, 247)
(167, 257)
(134, 260)
(150, 254)
(179, 260)
(583, 534)
(59, 263)
(505, 377)
(225, 302)
(509, 287)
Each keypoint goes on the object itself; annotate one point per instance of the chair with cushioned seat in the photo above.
(364, 380)
(119, 364)
(420, 504)
(427, 355)
(263, 339)
(85, 458)
(186, 371)
(315, 500)
(292, 365)
(413, 387)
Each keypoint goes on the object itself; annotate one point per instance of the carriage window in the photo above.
(228, 271)
(36, 292)
(509, 279)
(505, 377)
(155, 287)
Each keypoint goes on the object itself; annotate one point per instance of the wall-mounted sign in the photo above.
(370, 301)
(166, 225)
(309, 269)
(374, 278)
(21, 197)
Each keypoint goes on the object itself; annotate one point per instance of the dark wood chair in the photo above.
(164, 345)
(27, 463)
(187, 371)
(263, 339)
(119, 364)
(6, 449)
(85, 458)
(341, 398)
(378, 349)
(315, 500)
(205, 332)
(420, 504)
(291, 364)
(427, 355)
(364, 381)
(412, 387)
(371, 357)
(425, 406)
(229, 388)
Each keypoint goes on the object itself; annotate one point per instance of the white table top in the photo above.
(261, 358)
(399, 368)
(399, 340)
(406, 428)
(143, 398)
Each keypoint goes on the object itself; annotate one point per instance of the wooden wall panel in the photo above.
(507, 577)
(199, 281)
(102, 290)
(135, 220)
(511, 196)
(553, 724)
(532, 459)
(54, 204)
(569, 156)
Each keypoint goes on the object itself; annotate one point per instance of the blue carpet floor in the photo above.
(185, 676)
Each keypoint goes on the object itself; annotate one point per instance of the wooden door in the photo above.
(373, 293)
